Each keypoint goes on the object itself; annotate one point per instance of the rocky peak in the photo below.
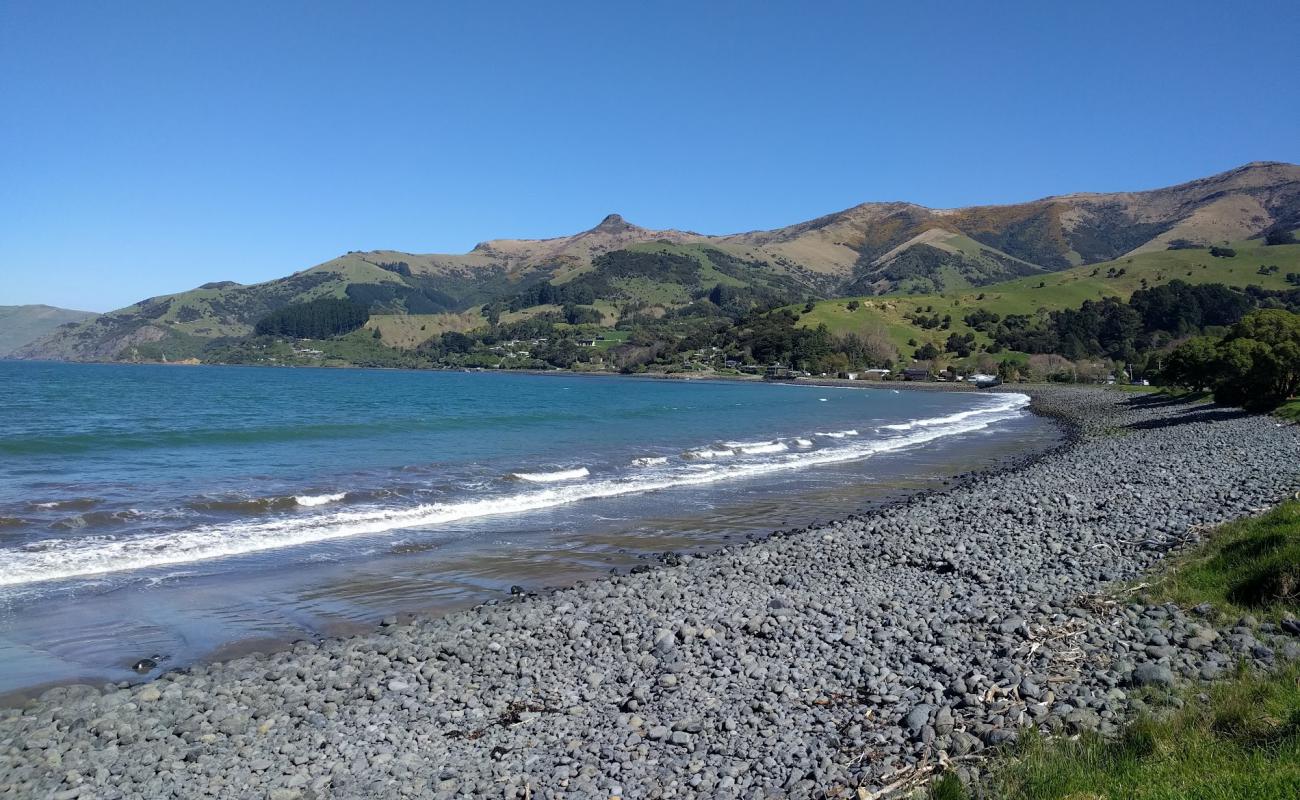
(614, 223)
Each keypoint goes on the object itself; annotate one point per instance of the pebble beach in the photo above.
(835, 661)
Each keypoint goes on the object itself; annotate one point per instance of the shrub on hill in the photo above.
(546, 293)
(1112, 329)
(1179, 308)
(1279, 237)
(582, 315)
(1097, 328)
(1109, 232)
(927, 352)
(316, 319)
(960, 344)
(397, 298)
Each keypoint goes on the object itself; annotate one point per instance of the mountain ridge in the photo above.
(868, 249)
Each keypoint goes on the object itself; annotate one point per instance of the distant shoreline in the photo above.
(950, 386)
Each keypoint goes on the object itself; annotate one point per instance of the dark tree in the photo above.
(316, 319)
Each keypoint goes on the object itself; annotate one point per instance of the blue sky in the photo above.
(149, 147)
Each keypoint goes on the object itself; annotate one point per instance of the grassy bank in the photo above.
(1237, 738)
(1251, 566)
(1289, 411)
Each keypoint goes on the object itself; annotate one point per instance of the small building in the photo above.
(776, 372)
(916, 374)
(589, 342)
(847, 376)
(875, 373)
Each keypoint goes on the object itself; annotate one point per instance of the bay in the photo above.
(194, 512)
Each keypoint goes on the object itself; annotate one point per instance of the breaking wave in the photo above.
(708, 453)
(310, 500)
(58, 559)
(75, 504)
(1012, 401)
(551, 477)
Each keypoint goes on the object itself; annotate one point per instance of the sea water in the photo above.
(171, 511)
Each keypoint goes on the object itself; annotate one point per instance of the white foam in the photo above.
(708, 453)
(836, 434)
(1005, 403)
(803, 442)
(551, 477)
(649, 461)
(762, 449)
(71, 558)
(310, 500)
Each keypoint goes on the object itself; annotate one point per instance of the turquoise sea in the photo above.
(182, 512)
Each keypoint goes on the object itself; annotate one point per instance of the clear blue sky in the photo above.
(149, 147)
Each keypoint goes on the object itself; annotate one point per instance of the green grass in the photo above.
(1237, 738)
(407, 331)
(1240, 738)
(1065, 289)
(613, 338)
(1251, 565)
(1128, 387)
(1289, 410)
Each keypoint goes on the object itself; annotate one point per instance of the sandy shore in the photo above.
(808, 664)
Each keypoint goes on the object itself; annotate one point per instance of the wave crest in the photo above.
(310, 500)
(551, 477)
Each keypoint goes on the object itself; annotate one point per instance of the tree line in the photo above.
(1110, 328)
(315, 319)
(1256, 364)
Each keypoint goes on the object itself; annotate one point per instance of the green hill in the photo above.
(1049, 292)
(894, 253)
(22, 325)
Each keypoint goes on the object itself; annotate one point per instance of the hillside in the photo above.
(22, 325)
(618, 268)
(1065, 289)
